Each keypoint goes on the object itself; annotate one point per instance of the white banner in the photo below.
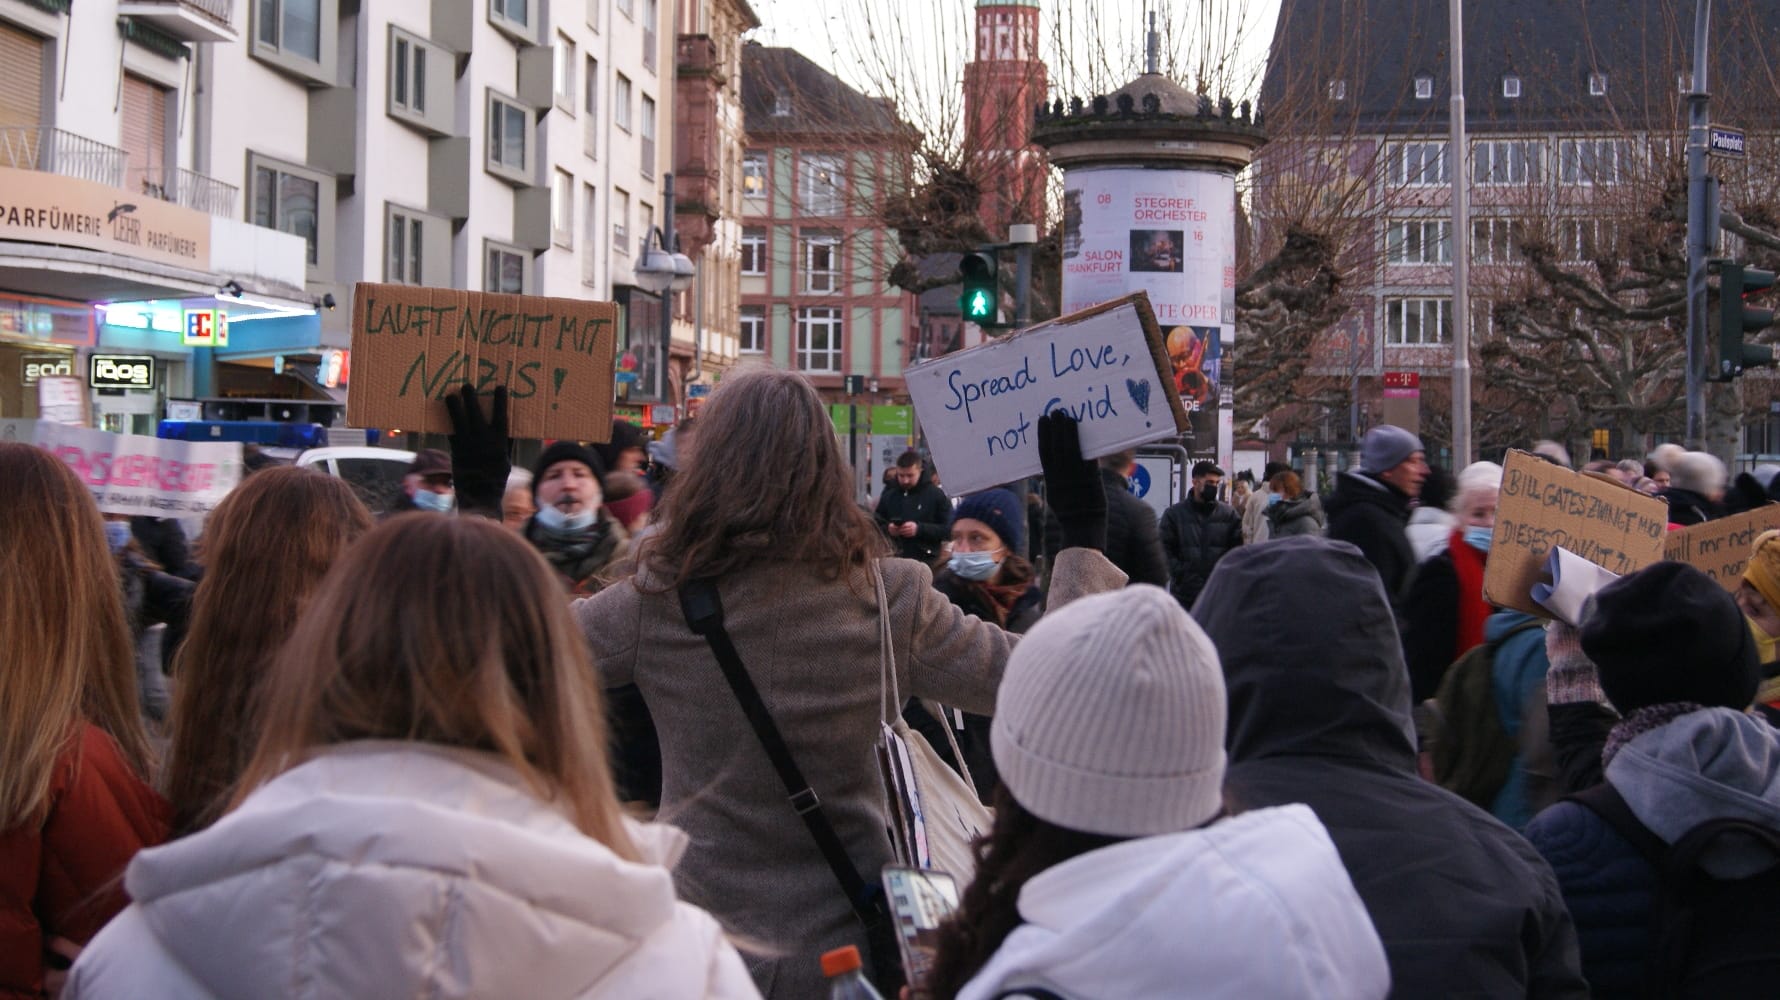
(1170, 233)
(132, 474)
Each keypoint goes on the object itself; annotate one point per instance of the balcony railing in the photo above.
(185, 20)
(186, 188)
(54, 151)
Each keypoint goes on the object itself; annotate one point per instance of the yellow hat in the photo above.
(1763, 571)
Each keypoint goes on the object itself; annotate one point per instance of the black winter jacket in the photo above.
(1132, 542)
(1319, 714)
(1371, 515)
(928, 506)
(1194, 538)
(1686, 507)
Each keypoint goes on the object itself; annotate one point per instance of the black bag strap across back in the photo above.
(704, 615)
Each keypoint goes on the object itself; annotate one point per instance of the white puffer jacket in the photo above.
(405, 870)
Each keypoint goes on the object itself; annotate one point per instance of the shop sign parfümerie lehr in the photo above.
(39, 207)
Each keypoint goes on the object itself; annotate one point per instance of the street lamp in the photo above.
(662, 270)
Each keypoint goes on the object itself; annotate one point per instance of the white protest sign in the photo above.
(1104, 366)
(132, 474)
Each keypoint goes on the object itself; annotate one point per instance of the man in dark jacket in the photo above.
(1131, 540)
(1319, 714)
(1371, 506)
(1676, 658)
(916, 514)
(1196, 533)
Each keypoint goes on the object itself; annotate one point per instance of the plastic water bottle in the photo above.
(846, 977)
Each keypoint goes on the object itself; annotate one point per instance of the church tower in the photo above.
(1003, 85)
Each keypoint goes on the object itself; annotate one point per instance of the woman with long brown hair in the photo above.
(429, 810)
(265, 549)
(75, 804)
(763, 506)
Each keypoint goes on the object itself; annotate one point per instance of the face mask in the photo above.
(117, 535)
(1273, 498)
(978, 566)
(553, 519)
(1766, 646)
(438, 503)
(1208, 493)
(1479, 537)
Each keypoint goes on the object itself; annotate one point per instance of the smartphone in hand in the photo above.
(920, 900)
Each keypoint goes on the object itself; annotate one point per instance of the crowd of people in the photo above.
(484, 745)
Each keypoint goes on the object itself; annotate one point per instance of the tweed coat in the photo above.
(811, 647)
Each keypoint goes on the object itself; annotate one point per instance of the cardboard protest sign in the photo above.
(412, 347)
(132, 474)
(1105, 366)
(1720, 549)
(1543, 505)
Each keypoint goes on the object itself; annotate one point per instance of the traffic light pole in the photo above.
(1699, 239)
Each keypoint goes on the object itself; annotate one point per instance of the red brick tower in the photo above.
(1002, 86)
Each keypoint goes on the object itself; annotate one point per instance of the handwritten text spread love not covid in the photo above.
(1102, 366)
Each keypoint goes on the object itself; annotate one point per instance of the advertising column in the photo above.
(1170, 232)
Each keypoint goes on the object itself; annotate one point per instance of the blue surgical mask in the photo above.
(553, 519)
(438, 503)
(117, 535)
(1273, 498)
(978, 566)
(1478, 537)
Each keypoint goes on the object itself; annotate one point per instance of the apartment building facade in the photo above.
(814, 261)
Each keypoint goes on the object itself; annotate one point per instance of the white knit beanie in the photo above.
(1700, 472)
(1110, 718)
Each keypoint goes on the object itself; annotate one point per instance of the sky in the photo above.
(915, 50)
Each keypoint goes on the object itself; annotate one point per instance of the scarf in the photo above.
(1474, 611)
(1643, 721)
(577, 555)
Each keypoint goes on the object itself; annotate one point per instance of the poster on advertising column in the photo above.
(1170, 233)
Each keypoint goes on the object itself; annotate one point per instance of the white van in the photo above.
(375, 474)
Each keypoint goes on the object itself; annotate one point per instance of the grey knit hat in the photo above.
(1385, 447)
(1110, 718)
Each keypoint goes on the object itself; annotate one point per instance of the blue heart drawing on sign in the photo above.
(1140, 393)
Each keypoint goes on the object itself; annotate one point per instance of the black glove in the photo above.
(1072, 483)
(478, 452)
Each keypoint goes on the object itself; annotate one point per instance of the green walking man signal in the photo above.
(980, 300)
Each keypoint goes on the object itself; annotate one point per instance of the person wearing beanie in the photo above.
(1370, 509)
(1670, 651)
(1758, 596)
(1255, 527)
(1320, 714)
(427, 484)
(1132, 542)
(1196, 532)
(571, 527)
(1697, 481)
(1113, 868)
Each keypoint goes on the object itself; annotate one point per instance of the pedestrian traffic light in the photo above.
(976, 272)
(1737, 319)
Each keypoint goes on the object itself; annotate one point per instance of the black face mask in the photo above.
(1208, 493)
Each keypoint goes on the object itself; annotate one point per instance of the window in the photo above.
(821, 263)
(1507, 162)
(753, 330)
(1413, 322)
(1337, 90)
(507, 269)
(405, 240)
(562, 65)
(289, 33)
(509, 138)
(819, 183)
(651, 15)
(1597, 85)
(627, 7)
(1420, 164)
(1495, 241)
(753, 175)
(1511, 86)
(590, 106)
(1424, 88)
(646, 224)
(1585, 239)
(647, 132)
(819, 339)
(621, 103)
(407, 62)
(288, 198)
(781, 104)
(1419, 241)
(590, 233)
(420, 88)
(754, 250)
(511, 13)
(1594, 161)
(562, 208)
(620, 220)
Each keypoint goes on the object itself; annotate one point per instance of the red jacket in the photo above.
(63, 877)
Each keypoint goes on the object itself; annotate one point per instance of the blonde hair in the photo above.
(266, 548)
(446, 630)
(69, 656)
